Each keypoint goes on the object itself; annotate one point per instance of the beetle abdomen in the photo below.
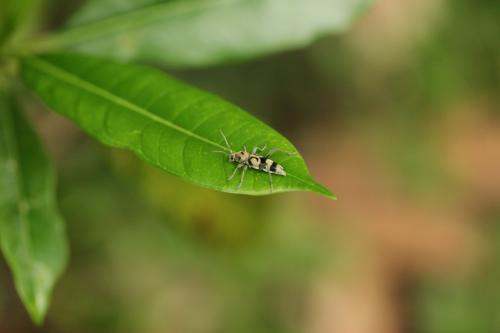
(268, 165)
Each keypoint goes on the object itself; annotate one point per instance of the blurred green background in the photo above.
(399, 116)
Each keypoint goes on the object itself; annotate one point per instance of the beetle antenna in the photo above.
(225, 140)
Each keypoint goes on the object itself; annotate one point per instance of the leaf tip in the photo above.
(325, 191)
(333, 196)
(36, 294)
(329, 195)
(36, 312)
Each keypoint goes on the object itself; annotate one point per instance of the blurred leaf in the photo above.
(197, 33)
(15, 14)
(93, 10)
(31, 231)
(167, 123)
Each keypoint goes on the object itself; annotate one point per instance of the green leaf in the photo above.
(201, 32)
(93, 10)
(16, 16)
(167, 123)
(32, 235)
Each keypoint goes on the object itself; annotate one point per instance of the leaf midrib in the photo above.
(70, 78)
(93, 89)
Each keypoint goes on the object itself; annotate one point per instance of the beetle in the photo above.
(245, 159)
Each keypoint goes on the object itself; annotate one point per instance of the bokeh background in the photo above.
(399, 116)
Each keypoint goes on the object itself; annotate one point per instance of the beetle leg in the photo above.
(270, 182)
(257, 149)
(242, 176)
(234, 172)
(277, 150)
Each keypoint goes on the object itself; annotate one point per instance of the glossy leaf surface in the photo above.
(166, 122)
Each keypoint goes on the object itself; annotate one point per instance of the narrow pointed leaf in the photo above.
(32, 235)
(200, 32)
(167, 123)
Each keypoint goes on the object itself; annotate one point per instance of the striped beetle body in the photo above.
(258, 162)
(245, 160)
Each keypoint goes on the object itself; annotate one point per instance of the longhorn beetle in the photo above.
(245, 160)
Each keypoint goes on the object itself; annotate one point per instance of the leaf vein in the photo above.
(69, 78)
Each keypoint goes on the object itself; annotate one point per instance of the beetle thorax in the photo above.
(239, 156)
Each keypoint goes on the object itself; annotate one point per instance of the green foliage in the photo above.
(200, 32)
(31, 230)
(16, 16)
(167, 123)
(444, 70)
(466, 306)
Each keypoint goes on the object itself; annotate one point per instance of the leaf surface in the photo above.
(32, 235)
(202, 32)
(165, 122)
